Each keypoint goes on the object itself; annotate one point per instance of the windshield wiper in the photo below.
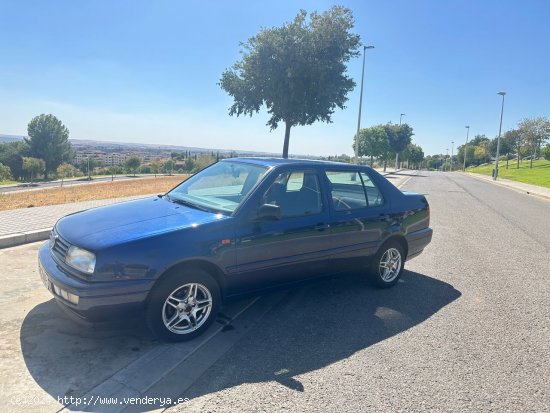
(187, 203)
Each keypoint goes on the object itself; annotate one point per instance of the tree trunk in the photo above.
(396, 160)
(287, 139)
(371, 160)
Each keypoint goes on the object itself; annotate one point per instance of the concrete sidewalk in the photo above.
(529, 189)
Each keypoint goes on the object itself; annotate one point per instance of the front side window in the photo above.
(220, 187)
(297, 193)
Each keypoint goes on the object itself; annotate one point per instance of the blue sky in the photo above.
(147, 71)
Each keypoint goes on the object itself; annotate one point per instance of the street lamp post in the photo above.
(397, 155)
(495, 174)
(466, 147)
(452, 154)
(360, 104)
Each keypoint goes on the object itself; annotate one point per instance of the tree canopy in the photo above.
(48, 140)
(33, 166)
(413, 154)
(298, 70)
(11, 155)
(373, 142)
(5, 172)
(132, 164)
(399, 136)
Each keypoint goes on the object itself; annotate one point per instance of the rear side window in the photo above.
(346, 190)
(353, 190)
(374, 196)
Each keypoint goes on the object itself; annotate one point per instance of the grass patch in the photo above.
(538, 175)
(88, 192)
(8, 182)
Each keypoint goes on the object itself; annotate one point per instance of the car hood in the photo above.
(101, 227)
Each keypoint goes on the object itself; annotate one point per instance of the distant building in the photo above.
(115, 158)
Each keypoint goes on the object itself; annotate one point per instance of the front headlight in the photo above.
(80, 259)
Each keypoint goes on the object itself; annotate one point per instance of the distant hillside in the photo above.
(10, 138)
(110, 146)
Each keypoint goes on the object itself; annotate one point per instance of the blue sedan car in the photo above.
(239, 226)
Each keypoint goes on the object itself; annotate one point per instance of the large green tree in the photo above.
(535, 132)
(298, 70)
(373, 142)
(11, 155)
(132, 164)
(5, 172)
(33, 166)
(399, 137)
(413, 154)
(48, 140)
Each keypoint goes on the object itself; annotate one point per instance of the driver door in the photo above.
(289, 249)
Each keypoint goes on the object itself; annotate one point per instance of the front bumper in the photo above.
(97, 301)
(417, 241)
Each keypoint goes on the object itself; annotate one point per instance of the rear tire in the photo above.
(183, 305)
(387, 265)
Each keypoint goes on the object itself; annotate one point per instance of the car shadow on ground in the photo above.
(67, 358)
(314, 326)
(324, 323)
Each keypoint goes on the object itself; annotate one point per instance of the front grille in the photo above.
(59, 245)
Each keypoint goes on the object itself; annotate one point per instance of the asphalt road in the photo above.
(468, 329)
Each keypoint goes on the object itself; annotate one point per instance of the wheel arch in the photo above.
(204, 265)
(401, 240)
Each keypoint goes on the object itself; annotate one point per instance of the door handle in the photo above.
(321, 226)
(385, 217)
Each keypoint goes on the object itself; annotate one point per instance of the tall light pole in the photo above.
(452, 154)
(466, 147)
(499, 132)
(397, 155)
(360, 104)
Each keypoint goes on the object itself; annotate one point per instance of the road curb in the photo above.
(505, 184)
(20, 238)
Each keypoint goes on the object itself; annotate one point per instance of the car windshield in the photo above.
(220, 187)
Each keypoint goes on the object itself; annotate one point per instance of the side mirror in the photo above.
(269, 212)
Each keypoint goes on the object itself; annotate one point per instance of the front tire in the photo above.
(183, 305)
(387, 265)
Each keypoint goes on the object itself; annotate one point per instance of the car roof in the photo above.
(270, 162)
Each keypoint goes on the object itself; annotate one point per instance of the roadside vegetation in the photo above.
(539, 174)
(530, 140)
(89, 192)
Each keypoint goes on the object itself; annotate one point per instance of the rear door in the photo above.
(358, 218)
